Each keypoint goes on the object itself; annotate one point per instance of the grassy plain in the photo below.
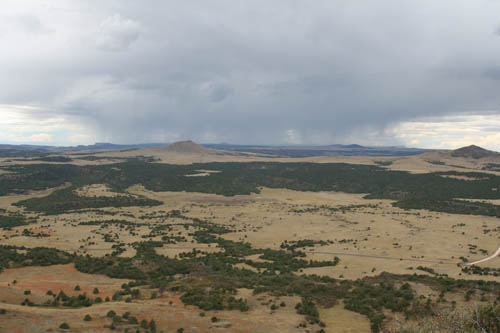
(370, 236)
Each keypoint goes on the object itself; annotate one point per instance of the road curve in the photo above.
(494, 255)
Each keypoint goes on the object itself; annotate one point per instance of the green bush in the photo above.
(152, 326)
(64, 326)
(308, 308)
(487, 318)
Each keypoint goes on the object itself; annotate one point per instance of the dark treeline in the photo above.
(66, 199)
(11, 220)
(419, 191)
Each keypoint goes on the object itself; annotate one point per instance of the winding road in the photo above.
(494, 255)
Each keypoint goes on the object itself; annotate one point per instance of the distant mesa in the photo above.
(350, 146)
(354, 146)
(474, 152)
(186, 147)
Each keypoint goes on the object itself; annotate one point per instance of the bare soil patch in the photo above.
(203, 173)
(97, 190)
(468, 178)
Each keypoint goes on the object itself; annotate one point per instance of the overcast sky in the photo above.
(416, 73)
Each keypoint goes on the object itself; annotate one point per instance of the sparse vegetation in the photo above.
(211, 280)
(474, 319)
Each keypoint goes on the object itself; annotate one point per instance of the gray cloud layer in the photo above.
(249, 71)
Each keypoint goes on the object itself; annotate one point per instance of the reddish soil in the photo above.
(168, 311)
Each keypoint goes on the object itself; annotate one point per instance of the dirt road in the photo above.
(494, 255)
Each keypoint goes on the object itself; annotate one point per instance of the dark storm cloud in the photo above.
(251, 72)
(492, 73)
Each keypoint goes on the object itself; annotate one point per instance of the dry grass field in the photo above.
(368, 240)
(389, 238)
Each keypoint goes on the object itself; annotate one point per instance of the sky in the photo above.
(387, 72)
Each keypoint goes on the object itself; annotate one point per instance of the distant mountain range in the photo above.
(285, 151)
(473, 154)
(328, 150)
(20, 150)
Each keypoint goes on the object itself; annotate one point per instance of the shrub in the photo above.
(487, 318)
(117, 296)
(64, 326)
(308, 308)
(484, 318)
(152, 326)
(27, 302)
(87, 317)
(243, 306)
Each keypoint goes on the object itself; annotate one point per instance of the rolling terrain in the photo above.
(189, 238)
